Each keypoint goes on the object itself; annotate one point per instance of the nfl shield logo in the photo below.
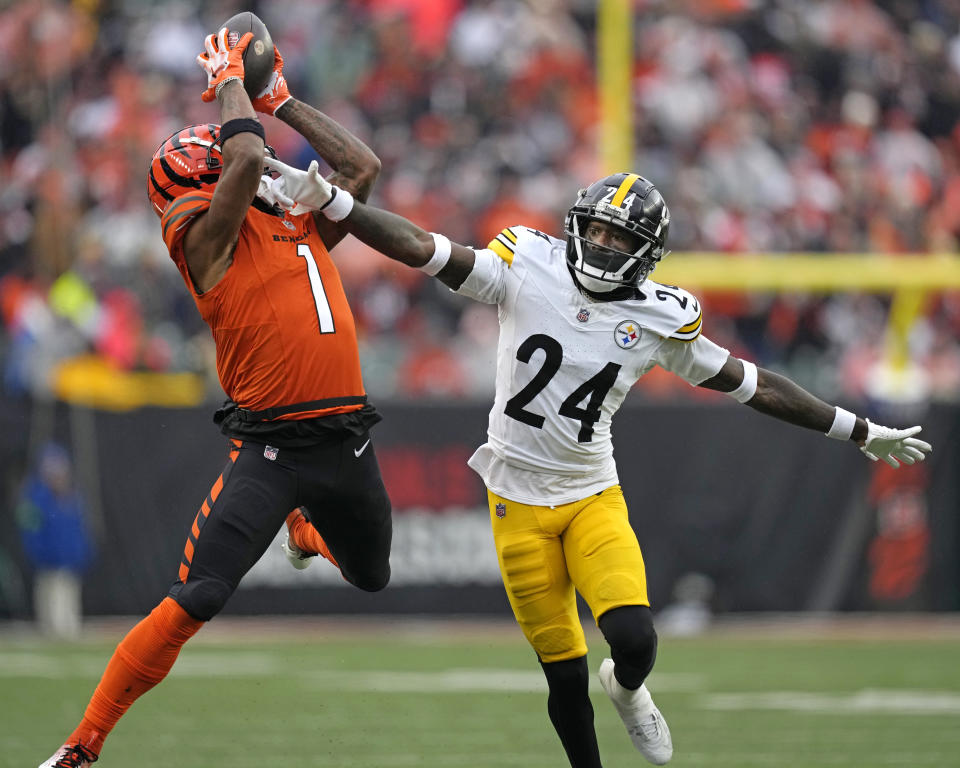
(501, 510)
(270, 453)
(583, 315)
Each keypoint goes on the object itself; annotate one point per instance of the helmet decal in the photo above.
(617, 202)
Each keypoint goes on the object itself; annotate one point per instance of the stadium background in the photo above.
(773, 128)
(783, 134)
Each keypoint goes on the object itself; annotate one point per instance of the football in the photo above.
(258, 59)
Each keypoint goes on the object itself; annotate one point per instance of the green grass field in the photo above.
(388, 695)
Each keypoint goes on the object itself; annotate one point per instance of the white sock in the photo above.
(639, 699)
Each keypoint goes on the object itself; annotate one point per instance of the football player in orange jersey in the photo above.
(286, 346)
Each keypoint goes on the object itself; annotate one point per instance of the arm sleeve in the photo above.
(488, 280)
(693, 361)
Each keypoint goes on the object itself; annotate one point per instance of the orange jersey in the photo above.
(283, 329)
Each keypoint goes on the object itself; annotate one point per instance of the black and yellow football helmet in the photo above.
(633, 205)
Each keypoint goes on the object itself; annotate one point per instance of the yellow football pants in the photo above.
(546, 553)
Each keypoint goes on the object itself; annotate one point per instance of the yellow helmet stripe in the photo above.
(624, 188)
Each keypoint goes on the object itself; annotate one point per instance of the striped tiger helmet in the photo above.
(633, 205)
(188, 160)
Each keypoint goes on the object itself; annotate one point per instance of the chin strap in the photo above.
(621, 293)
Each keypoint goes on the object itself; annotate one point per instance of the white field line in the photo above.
(57, 666)
(199, 664)
(469, 679)
(868, 701)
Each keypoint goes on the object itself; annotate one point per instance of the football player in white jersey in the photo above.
(580, 322)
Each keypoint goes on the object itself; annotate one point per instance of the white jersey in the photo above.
(565, 364)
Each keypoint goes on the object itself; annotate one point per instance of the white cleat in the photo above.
(297, 557)
(646, 726)
(70, 756)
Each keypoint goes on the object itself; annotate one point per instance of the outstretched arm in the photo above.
(404, 241)
(355, 166)
(778, 396)
(392, 235)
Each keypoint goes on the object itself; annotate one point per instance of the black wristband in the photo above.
(240, 125)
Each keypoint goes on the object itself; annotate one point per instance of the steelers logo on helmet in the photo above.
(633, 209)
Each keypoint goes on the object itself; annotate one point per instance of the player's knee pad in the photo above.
(372, 580)
(633, 640)
(557, 640)
(202, 598)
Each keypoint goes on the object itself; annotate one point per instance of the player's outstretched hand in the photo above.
(894, 445)
(221, 62)
(308, 189)
(275, 94)
(273, 191)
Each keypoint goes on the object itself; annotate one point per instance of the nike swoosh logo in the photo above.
(361, 449)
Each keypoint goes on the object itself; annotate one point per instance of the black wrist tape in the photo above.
(240, 125)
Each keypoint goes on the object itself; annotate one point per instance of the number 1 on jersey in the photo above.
(324, 315)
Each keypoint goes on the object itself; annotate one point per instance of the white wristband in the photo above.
(339, 206)
(843, 424)
(748, 387)
(441, 255)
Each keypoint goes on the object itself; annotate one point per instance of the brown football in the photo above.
(258, 59)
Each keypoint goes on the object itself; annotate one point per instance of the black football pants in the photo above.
(338, 482)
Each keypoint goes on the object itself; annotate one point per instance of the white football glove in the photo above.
(892, 444)
(272, 192)
(308, 190)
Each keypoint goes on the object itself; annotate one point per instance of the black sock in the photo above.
(571, 711)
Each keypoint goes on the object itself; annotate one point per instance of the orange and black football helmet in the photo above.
(186, 161)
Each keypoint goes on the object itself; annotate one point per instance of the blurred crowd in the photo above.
(771, 126)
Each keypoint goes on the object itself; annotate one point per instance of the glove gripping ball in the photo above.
(258, 58)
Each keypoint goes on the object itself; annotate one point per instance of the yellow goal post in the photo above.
(909, 279)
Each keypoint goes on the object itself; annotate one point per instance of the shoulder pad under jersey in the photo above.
(506, 243)
(181, 212)
(671, 312)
